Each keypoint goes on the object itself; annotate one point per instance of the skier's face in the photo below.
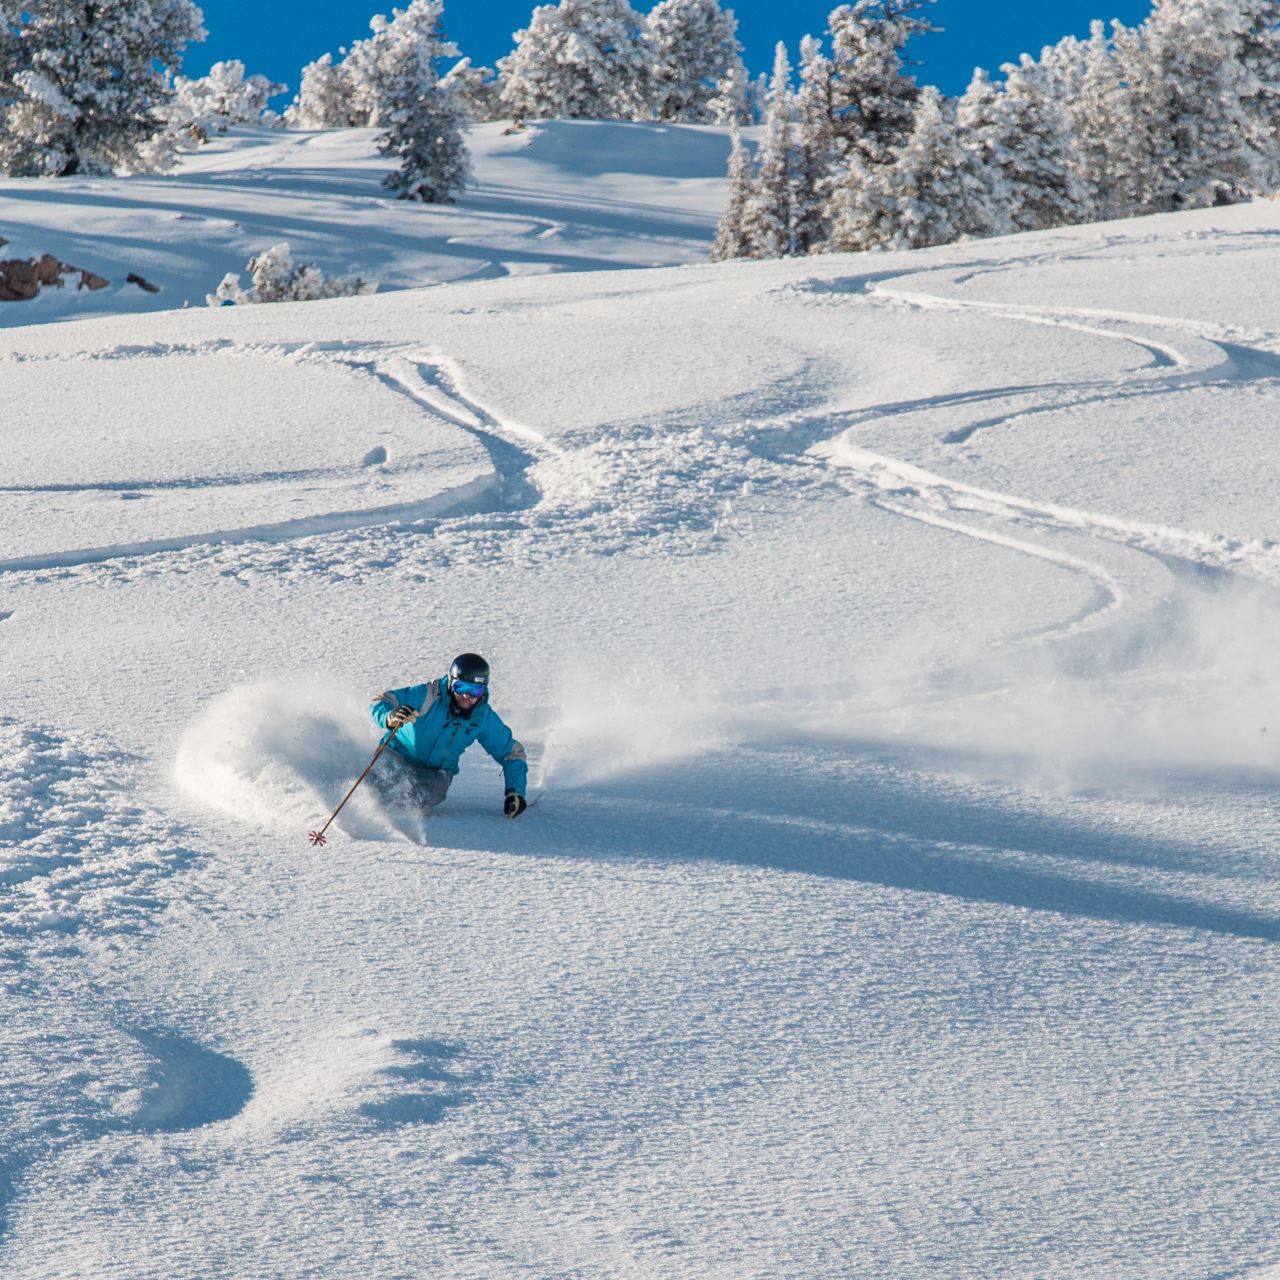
(466, 693)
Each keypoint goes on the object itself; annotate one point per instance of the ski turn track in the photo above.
(428, 384)
(1186, 354)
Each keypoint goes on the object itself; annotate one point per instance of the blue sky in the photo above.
(978, 32)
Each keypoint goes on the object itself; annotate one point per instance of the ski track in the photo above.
(542, 490)
(539, 489)
(669, 483)
(472, 498)
(1183, 353)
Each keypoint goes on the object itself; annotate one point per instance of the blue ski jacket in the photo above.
(439, 736)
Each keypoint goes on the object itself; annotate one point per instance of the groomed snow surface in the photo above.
(894, 638)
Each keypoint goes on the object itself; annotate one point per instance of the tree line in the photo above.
(1180, 112)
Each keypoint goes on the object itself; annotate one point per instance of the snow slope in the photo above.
(562, 195)
(893, 639)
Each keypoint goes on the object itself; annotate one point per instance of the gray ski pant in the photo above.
(401, 781)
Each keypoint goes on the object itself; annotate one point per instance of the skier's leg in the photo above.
(415, 786)
(393, 778)
(431, 786)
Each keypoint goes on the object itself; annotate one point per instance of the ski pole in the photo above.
(317, 837)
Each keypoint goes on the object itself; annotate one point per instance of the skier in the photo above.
(434, 723)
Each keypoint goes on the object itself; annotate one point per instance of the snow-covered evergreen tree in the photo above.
(84, 81)
(733, 236)
(1190, 84)
(938, 189)
(729, 105)
(224, 97)
(373, 65)
(395, 73)
(1260, 53)
(771, 210)
(873, 99)
(275, 277)
(1098, 108)
(695, 50)
(10, 21)
(580, 59)
(817, 157)
(1022, 131)
(323, 100)
(476, 89)
(976, 113)
(326, 99)
(943, 190)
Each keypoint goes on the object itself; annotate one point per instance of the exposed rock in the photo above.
(134, 278)
(18, 280)
(22, 278)
(49, 270)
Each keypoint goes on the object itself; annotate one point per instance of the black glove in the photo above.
(514, 805)
(402, 715)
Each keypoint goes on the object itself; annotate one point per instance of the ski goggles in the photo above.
(468, 689)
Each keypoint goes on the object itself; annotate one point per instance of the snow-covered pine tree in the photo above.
(695, 49)
(421, 118)
(733, 237)
(942, 189)
(325, 99)
(817, 157)
(10, 21)
(1023, 132)
(873, 99)
(81, 89)
(476, 90)
(1097, 104)
(1260, 53)
(1190, 84)
(771, 210)
(275, 277)
(225, 96)
(579, 59)
(976, 114)
(372, 66)
(938, 189)
(729, 103)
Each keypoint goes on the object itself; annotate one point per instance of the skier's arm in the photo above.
(501, 744)
(412, 697)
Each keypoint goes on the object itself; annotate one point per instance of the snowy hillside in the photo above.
(562, 195)
(893, 639)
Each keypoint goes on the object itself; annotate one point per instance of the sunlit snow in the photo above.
(893, 638)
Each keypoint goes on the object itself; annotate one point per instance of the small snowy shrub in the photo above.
(277, 278)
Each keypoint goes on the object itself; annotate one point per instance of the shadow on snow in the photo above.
(877, 830)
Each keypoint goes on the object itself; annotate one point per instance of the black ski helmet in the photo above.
(469, 667)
